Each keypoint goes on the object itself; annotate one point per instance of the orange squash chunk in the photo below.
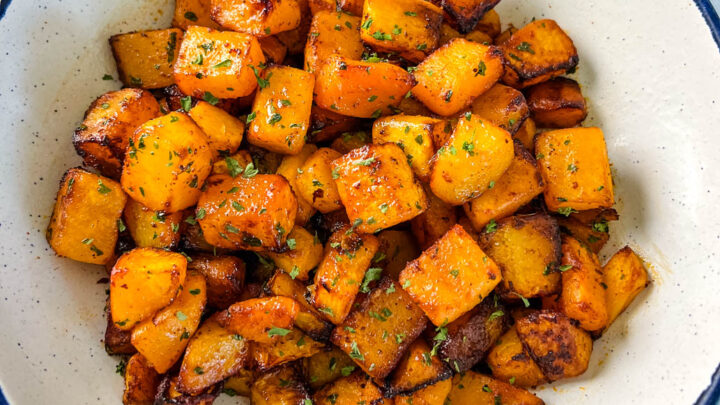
(256, 17)
(145, 59)
(625, 277)
(332, 33)
(583, 295)
(476, 388)
(261, 319)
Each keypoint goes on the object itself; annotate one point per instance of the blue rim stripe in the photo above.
(710, 13)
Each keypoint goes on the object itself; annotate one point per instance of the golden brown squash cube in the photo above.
(326, 367)
(351, 390)
(233, 164)
(411, 106)
(308, 319)
(417, 369)
(510, 361)
(379, 331)
(220, 64)
(557, 103)
(450, 277)
(257, 17)
(326, 125)
(290, 168)
(574, 165)
(141, 382)
(467, 13)
(84, 222)
(250, 212)
(455, 74)
(193, 12)
(377, 187)
(527, 250)
(476, 388)
(240, 383)
(351, 140)
(109, 123)
(520, 183)
(489, 23)
(168, 393)
(224, 275)
(315, 181)
(560, 349)
(410, 28)
(162, 339)
(503, 106)
(526, 134)
(281, 111)
(465, 341)
(432, 224)
(273, 49)
(142, 282)
(583, 294)
(116, 341)
(348, 255)
(224, 132)
(145, 59)
(359, 88)
(474, 157)
(282, 386)
(448, 33)
(332, 33)
(625, 276)
(166, 163)
(304, 253)
(150, 228)
(413, 134)
(293, 346)
(537, 52)
(434, 394)
(593, 238)
(396, 249)
(480, 37)
(295, 39)
(261, 319)
(213, 354)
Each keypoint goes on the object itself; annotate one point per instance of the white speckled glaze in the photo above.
(649, 69)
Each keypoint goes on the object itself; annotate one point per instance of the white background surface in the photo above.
(648, 68)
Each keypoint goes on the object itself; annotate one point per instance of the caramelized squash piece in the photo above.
(417, 369)
(326, 367)
(583, 291)
(261, 319)
(315, 181)
(557, 103)
(308, 319)
(273, 49)
(224, 275)
(503, 106)
(396, 249)
(467, 13)
(350, 140)
(526, 134)
(145, 58)
(290, 168)
(432, 224)
(256, 17)
(150, 228)
(332, 33)
(351, 390)
(326, 124)
(293, 346)
(434, 394)
(625, 277)
(193, 12)
(414, 135)
(476, 388)
(510, 361)
(281, 386)
(304, 254)
(141, 382)
(224, 132)
(240, 383)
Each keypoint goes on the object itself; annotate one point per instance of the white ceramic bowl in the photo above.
(650, 71)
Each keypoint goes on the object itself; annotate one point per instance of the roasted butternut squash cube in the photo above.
(326, 367)
(308, 319)
(450, 277)
(527, 250)
(503, 106)
(434, 394)
(348, 254)
(326, 125)
(282, 386)
(332, 33)
(379, 331)
(557, 103)
(213, 354)
(233, 164)
(448, 33)
(281, 111)
(240, 383)
(396, 249)
(432, 224)
(417, 369)
(466, 340)
(150, 228)
(583, 294)
(467, 13)
(560, 349)
(510, 361)
(250, 212)
(474, 157)
(293, 346)
(218, 64)
(526, 134)
(455, 74)
(413, 134)
(537, 52)
(193, 12)
(166, 163)
(520, 183)
(359, 88)
(109, 123)
(351, 140)
(377, 187)
(315, 182)
(304, 254)
(143, 281)
(479, 36)
(116, 341)
(625, 277)
(261, 319)
(351, 390)
(256, 17)
(273, 49)
(505, 35)
(168, 393)
(162, 339)
(411, 106)
(145, 59)
(476, 388)
(591, 237)
(489, 23)
(295, 39)
(408, 27)
(290, 168)
(224, 132)
(141, 382)
(84, 222)
(574, 165)
(224, 276)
